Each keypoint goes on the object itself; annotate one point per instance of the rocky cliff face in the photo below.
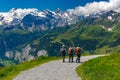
(24, 55)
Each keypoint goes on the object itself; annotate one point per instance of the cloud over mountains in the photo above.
(89, 8)
(95, 7)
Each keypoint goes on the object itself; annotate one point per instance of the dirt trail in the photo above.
(55, 70)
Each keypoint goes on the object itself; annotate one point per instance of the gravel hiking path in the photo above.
(55, 70)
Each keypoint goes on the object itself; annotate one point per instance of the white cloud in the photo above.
(95, 7)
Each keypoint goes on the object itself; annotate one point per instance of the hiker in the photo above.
(70, 52)
(78, 53)
(63, 52)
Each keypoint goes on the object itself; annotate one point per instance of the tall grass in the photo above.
(8, 73)
(102, 68)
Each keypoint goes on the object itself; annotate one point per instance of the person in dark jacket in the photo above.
(63, 52)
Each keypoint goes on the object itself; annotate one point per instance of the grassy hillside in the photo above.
(9, 72)
(92, 39)
(103, 68)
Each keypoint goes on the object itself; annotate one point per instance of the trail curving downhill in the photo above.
(55, 70)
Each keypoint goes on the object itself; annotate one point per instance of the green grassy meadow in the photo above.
(102, 68)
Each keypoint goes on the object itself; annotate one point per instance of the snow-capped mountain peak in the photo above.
(47, 18)
(8, 17)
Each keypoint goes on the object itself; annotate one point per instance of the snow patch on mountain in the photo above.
(8, 17)
(18, 13)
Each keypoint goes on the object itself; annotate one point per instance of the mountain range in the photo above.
(32, 19)
(43, 20)
(29, 33)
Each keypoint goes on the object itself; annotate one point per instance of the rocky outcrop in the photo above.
(25, 54)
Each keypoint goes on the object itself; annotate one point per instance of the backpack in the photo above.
(63, 50)
(78, 50)
(70, 50)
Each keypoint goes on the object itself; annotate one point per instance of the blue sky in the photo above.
(6, 5)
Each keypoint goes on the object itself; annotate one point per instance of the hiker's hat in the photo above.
(63, 45)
